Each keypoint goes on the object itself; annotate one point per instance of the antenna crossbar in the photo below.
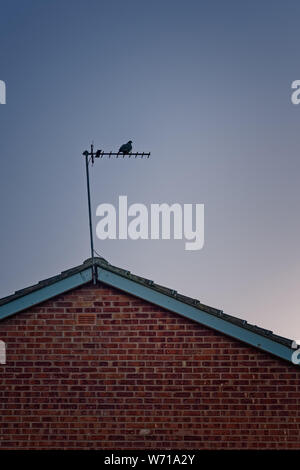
(101, 154)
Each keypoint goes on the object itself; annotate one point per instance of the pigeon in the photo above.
(126, 148)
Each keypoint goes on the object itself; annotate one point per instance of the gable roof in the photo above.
(146, 289)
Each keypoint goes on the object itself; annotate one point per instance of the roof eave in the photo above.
(45, 293)
(194, 313)
(147, 290)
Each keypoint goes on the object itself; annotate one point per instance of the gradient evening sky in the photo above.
(205, 86)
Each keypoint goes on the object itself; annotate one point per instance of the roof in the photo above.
(146, 289)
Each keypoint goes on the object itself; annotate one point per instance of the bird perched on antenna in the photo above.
(126, 148)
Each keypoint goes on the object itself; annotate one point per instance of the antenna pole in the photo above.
(90, 212)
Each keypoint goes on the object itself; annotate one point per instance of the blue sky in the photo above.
(203, 85)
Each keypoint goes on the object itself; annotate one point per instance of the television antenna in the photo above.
(90, 157)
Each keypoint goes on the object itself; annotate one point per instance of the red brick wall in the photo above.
(97, 369)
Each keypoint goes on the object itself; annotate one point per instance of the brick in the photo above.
(100, 363)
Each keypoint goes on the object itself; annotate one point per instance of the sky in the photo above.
(205, 86)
